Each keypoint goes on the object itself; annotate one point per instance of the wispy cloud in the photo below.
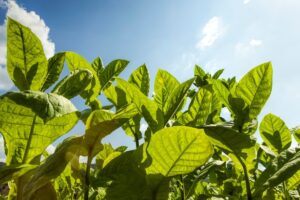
(50, 149)
(29, 19)
(246, 1)
(255, 42)
(212, 31)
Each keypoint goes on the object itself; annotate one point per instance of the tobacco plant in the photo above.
(189, 151)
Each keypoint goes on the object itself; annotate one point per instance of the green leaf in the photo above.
(176, 99)
(178, 150)
(55, 164)
(218, 74)
(26, 61)
(55, 66)
(283, 167)
(97, 65)
(124, 178)
(255, 88)
(294, 181)
(73, 84)
(140, 78)
(164, 85)
(100, 123)
(112, 70)
(149, 109)
(199, 108)
(229, 139)
(222, 92)
(275, 133)
(30, 121)
(76, 61)
(11, 172)
(296, 133)
(198, 71)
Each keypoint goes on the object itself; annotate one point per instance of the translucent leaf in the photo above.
(55, 66)
(26, 61)
(255, 88)
(199, 109)
(150, 111)
(30, 121)
(140, 78)
(178, 150)
(176, 99)
(73, 84)
(275, 133)
(164, 85)
(8, 173)
(111, 71)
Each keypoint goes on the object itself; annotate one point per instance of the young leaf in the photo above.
(218, 74)
(176, 99)
(222, 92)
(97, 65)
(112, 70)
(255, 88)
(275, 133)
(178, 150)
(55, 66)
(199, 108)
(164, 85)
(26, 61)
(76, 61)
(140, 78)
(74, 83)
(296, 133)
(30, 121)
(150, 111)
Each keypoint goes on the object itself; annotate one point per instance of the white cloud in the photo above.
(143, 127)
(255, 42)
(246, 1)
(212, 31)
(29, 19)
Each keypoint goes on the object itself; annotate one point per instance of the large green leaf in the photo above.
(275, 133)
(140, 78)
(26, 61)
(111, 71)
(101, 123)
(124, 178)
(55, 66)
(164, 85)
(176, 99)
(283, 167)
(76, 61)
(149, 109)
(199, 108)
(178, 150)
(296, 133)
(74, 83)
(255, 88)
(30, 121)
(55, 164)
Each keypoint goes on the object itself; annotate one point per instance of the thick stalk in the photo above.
(248, 188)
(87, 176)
(136, 139)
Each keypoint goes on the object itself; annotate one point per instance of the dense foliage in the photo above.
(189, 150)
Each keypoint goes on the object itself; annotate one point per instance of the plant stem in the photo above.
(87, 176)
(136, 139)
(248, 188)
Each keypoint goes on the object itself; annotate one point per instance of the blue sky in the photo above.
(174, 35)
